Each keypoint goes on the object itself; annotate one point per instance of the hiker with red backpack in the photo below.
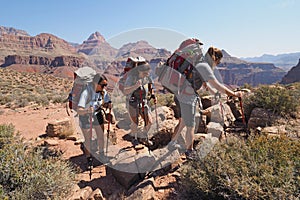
(93, 99)
(184, 73)
(137, 88)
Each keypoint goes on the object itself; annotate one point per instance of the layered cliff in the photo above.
(142, 48)
(58, 61)
(12, 31)
(50, 53)
(96, 46)
(293, 75)
(238, 72)
(42, 44)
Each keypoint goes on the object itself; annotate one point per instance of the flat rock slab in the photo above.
(129, 167)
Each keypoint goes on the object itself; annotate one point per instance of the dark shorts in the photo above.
(187, 112)
(84, 120)
(137, 109)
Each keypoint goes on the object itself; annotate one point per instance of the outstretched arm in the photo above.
(223, 89)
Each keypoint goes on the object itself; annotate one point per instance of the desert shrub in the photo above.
(164, 99)
(24, 174)
(277, 99)
(59, 99)
(42, 100)
(22, 103)
(247, 86)
(4, 99)
(6, 133)
(120, 111)
(19, 89)
(258, 168)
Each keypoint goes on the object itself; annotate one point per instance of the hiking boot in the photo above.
(82, 148)
(90, 162)
(174, 145)
(190, 154)
(149, 142)
(135, 142)
(146, 141)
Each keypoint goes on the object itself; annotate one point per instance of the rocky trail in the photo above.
(31, 123)
(130, 173)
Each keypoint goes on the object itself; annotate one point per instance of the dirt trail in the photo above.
(31, 123)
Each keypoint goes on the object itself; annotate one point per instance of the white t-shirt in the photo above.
(90, 98)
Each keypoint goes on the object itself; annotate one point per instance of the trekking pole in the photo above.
(242, 111)
(156, 116)
(243, 117)
(108, 130)
(144, 114)
(90, 160)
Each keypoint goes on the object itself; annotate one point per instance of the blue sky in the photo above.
(242, 28)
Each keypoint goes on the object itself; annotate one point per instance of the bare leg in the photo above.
(190, 137)
(178, 129)
(100, 137)
(147, 120)
(87, 141)
(134, 125)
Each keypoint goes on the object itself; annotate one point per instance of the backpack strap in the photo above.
(199, 102)
(90, 93)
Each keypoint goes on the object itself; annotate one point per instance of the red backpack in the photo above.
(178, 70)
(186, 56)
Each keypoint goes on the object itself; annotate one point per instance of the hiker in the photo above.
(90, 109)
(137, 87)
(187, 103)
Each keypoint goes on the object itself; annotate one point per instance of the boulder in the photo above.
(261, 118)
(274, 130)
(96, 195)
(215, 129)
(60, 128)
(83, 193)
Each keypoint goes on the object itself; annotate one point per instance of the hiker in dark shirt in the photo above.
(137, 88)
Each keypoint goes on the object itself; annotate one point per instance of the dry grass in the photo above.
(259, 168)
(26, 173)
(19, 89)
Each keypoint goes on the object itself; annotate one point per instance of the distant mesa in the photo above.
(12, 31)
(293, 75)
(42, 44)
(235, 71)
(285, 61)
(142, 48)
(47, 53)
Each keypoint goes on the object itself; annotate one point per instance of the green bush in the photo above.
(277, 99)
(24, 174)
(164, 99)
(258, 168)
(6, 134)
